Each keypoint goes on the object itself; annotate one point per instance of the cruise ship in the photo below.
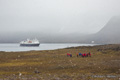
(29, 42)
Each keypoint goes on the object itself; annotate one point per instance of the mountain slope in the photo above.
(110, 33)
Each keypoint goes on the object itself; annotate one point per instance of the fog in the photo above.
(55, 19)
(56, 16)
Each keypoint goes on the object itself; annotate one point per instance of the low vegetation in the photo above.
(104, 63)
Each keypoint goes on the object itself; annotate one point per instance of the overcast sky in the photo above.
(56, 16)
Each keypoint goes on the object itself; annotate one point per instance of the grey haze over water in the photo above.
(21, 19)
(44, 46)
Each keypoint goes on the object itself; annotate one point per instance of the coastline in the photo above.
(43, 46)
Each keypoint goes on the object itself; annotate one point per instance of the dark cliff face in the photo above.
(110, 33)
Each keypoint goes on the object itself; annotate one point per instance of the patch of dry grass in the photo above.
(55, 65)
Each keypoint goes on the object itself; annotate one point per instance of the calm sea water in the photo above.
(8, 47)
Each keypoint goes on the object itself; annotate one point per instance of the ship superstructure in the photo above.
(29, 42)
